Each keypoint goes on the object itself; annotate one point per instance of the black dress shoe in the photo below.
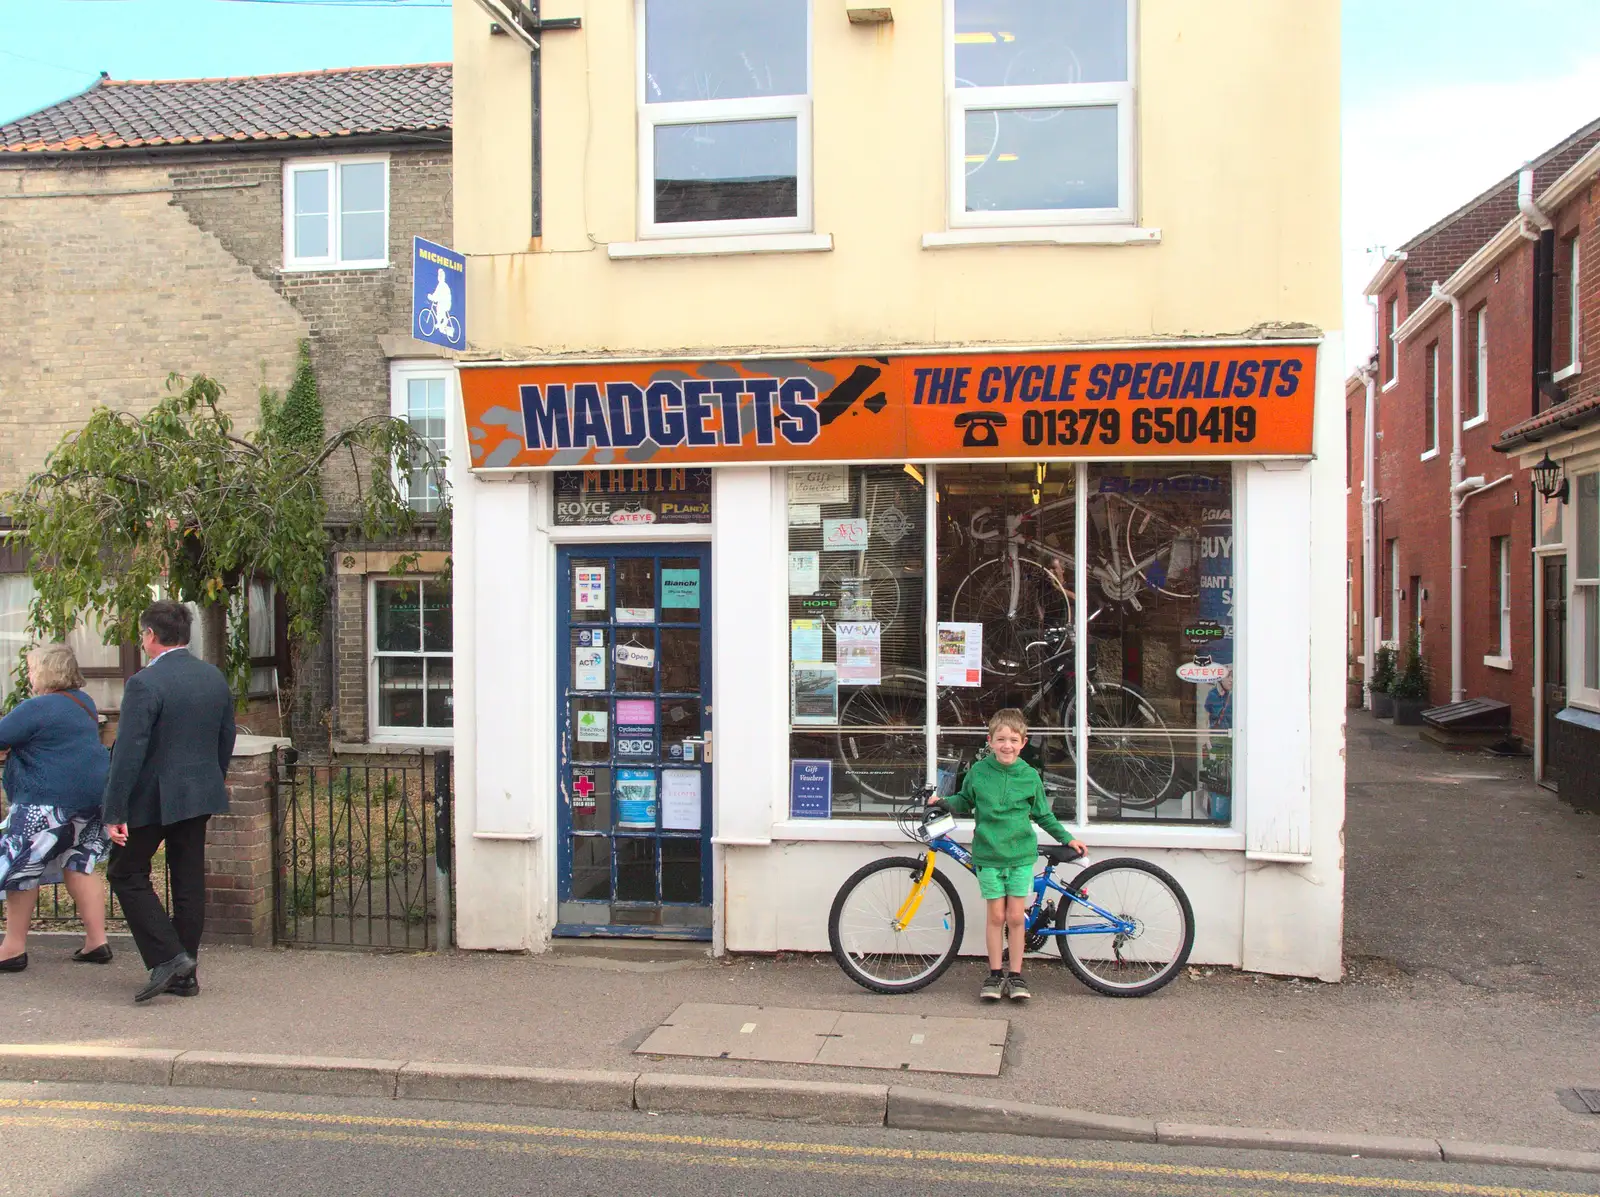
(100, 955)
(14, 964)
(185, 986)
(162, 976)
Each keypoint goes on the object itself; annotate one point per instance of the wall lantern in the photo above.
(1548, 480)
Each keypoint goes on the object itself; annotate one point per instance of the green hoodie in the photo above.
(1006, 800)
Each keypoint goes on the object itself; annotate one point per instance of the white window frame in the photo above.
(1501, 658)
(1574, 311)
(1584, 594)
(384, 733)
(699, 112)
(403, 372)
(1394, 590)
(1392, 305)
(1431, 426)
(333, 259)
(1480, 396)
(959, 100)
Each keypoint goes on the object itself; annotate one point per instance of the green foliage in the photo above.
(1383, 670)
(1412, 682)
(177, 500)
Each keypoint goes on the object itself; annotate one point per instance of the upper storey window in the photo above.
(724, 117)
(336, 213)
(1041, 112)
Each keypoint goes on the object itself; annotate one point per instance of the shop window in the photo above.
(336, 213)
(1160, 642)
(858, 631)
(411, 659)
(605, 498)
(1041, 112)
(1586, 589)
(724, 117)
(418, 394)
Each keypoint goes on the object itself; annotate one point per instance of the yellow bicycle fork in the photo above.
(908, 908)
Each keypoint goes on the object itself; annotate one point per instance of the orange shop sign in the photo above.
(1205, 401)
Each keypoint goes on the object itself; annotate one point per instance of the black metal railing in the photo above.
(357, 851)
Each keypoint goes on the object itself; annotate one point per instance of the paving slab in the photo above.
(841, 1039)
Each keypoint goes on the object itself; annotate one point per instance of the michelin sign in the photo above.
(438, 294)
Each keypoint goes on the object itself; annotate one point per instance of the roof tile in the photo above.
(139, 113)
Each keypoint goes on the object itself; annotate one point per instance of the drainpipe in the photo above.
(1369, 548)
(1458, 465)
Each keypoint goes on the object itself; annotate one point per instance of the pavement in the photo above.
(1472, 1002)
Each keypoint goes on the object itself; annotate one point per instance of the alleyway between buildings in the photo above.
(1473, 995)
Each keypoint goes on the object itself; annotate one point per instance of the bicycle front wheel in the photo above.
(1126, 963)
(865, 941)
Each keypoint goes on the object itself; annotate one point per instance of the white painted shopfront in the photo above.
(685, 632)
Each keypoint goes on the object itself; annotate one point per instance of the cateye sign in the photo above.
(1205, 401)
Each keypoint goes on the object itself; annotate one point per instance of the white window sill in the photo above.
(753, 243)
(1498, 662)
(1390, 385)
(397, 741)
(1567, 371)
(1060, 234)
(314, 267)
(1096, 835)
(1474, 422)
(1429, 455)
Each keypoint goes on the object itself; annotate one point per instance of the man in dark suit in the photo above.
(168, 771)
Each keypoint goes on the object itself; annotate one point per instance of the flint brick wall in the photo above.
(239, 858)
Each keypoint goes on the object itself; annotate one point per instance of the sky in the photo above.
(1441, 98)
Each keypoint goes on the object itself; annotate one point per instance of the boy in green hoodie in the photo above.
(1006, 796)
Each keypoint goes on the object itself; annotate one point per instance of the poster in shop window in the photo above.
(589, 588)
(860, 653)
(814, 694)
(680, 799)
(588, 669)
(960, 659)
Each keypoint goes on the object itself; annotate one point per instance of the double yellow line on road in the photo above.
(1132, 1177)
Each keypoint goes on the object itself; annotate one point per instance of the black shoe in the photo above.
(15, 964)
(101, 955)
(162, 976)
(185, 986)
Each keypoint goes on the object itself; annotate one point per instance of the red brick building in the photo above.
(1432, 492)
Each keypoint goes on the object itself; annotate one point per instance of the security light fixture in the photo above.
(1549, 481)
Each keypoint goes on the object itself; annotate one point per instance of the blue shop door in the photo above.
(633, 639)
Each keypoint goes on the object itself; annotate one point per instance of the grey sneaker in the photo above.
(994, 988)
(1017, 988)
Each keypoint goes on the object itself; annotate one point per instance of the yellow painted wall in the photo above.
(1237, 111)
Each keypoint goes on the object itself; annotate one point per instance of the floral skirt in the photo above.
(37, 843)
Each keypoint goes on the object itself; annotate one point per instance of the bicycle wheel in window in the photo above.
(1133, 759)
(1126, 963)
(868, 946)
(1164, 552)
(1026, 612)
(881, 739)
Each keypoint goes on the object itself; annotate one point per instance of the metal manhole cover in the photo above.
(1590, 1098)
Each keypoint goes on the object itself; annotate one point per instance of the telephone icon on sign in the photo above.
(980, 429)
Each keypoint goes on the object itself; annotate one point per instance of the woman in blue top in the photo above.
(54, 778)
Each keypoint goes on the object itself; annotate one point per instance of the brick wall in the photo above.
(1415, 507)
(122, 290)
(239, 857)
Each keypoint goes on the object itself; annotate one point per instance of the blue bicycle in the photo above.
(1124, 927)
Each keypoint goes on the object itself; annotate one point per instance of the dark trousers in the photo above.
(159, 937)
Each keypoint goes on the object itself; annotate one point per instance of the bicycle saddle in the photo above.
(1058, 853)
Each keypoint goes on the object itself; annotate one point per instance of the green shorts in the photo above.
(1015, 882)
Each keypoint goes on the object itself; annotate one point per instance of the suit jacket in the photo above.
(174, 744)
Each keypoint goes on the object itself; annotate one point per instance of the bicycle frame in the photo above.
(1042, 884)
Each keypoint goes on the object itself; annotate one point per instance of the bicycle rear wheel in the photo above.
(1126, 964)
(1016, 635)
(861, 927)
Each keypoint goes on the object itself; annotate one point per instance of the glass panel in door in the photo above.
(634, 680)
